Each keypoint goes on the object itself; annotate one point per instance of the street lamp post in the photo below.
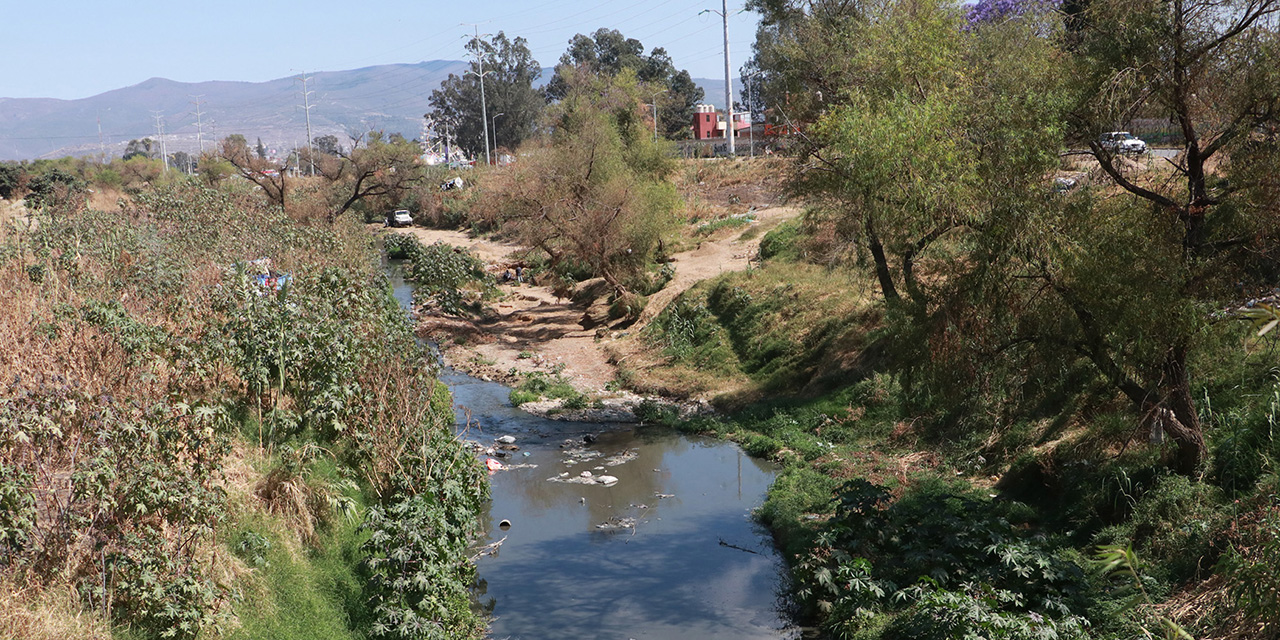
(494, 120)
(655, 113)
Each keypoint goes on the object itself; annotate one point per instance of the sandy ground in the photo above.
(536, 331)
(11, 214)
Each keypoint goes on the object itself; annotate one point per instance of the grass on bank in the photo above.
(295, 591)
(537, 386)
(1050, 489)
(783, 328)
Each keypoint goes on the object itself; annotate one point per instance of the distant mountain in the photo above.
(390, 98)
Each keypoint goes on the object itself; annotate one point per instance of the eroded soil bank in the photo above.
(532, 329)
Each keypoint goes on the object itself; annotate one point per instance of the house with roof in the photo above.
(708, 122)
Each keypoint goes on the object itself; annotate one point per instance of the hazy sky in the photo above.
(79, 48)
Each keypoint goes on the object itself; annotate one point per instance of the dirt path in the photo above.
(712, 258)
(536, 331)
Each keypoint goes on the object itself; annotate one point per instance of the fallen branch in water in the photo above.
(490, 549)
(734, 546)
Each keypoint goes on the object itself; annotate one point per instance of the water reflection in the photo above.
(563, 572)
(688, 561)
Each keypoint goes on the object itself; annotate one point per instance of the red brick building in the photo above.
(708, 123)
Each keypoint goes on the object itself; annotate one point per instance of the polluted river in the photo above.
(615, 530)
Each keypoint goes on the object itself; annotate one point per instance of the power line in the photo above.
(306, 105)
(728, 83)
(159, 116)
(484, 115)
(199, 124)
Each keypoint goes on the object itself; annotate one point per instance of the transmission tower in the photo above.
(199, 123)
(164, 154)
(306, 107)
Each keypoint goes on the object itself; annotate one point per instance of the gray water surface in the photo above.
(669, 551)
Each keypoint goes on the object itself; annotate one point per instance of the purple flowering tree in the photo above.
(991, 11)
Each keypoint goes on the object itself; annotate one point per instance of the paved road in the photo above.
(1158, 153)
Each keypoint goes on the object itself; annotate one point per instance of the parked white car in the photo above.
(1122, 142)
(399, 218)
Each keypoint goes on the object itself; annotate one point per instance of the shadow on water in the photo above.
(669, 551)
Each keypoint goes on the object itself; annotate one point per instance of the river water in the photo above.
(668, 551)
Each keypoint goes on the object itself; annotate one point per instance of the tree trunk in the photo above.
(882, 263)
(1178, 415)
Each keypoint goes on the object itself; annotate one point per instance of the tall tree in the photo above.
(1213, 69)
(182, 161)
(802, 51)
(380, 169)
(593, 191)
(607, 52)
(327, 144)
(269, 176)
(144, 148)
(509, 73)
(948, 124)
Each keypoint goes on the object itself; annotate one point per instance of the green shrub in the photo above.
(447, 278)
(980, 612)
(947, 561)
(537, 385)
(519, 397)
(782, 242)
(1252, 565)
(1245, 445)
(732, 222)
(55, 187)
(1174, 527)
(659, 413)
(252, 547)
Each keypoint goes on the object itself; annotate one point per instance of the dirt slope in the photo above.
(536, 331)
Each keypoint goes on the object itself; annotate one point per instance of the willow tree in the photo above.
(593, 191)
(382, 170)
(1194, 234)
(941, 150)
(1119, 277)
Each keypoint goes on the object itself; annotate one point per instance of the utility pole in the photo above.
(655, 118)
(199, 123)
(728, 83)
(306, 106)
(102, 147)
(484, 113)
(164, 155)
(655, 113)
(495, 131)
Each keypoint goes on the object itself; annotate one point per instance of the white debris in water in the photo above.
(622, 458)
(615, 523)
(584, 478)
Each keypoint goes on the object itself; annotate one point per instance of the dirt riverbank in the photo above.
(532, 329)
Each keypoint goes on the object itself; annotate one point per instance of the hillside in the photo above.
(390, 98)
